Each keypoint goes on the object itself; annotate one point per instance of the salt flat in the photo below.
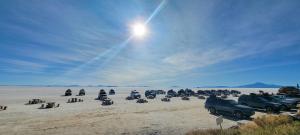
(89, 117)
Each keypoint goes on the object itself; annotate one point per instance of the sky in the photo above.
(188, 42)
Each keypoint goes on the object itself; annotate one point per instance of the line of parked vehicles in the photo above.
(286, 99)
(149, 94)
(185, 94)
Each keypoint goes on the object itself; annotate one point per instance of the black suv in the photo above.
(151, 94)
(258, 101)
(102, 95)
(287, 104)
(172, 93)
(217, 105)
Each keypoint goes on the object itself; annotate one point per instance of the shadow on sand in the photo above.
(231, 117)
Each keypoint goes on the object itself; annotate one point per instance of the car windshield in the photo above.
(272, 99)
(233, 102)
(279, 97)
(263, 99)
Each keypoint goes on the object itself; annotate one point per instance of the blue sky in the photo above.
(189, 42)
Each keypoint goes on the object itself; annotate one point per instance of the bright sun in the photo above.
(139, 30)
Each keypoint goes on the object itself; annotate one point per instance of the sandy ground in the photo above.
(90, 118)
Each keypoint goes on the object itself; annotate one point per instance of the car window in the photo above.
(230, 102)
(278, 98)
(262, 99)
(271, 99)
(233, 102)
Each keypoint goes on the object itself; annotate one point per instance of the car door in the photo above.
(227, 107)
(258, 102)
(254, 102)
(224, 106)
(217, 104)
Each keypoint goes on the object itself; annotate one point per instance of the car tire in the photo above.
(269, 109)
(212, 110)
(238, 115)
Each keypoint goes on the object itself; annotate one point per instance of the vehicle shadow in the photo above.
(279, 112)
(230, 117)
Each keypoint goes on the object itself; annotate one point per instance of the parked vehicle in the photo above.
(165, 99)
(150, 97)
(290, 90)
(168, 96)
(185, 98)
(189, 92)
(201, 92)
(208, 93)
(181, 93)
(235, 92)
(49, 105)
(112, 92)
(81, 92)
(35, 101)
(172, 93)
(286, 103)
(161, 92)
(201, 97)
(287, 97)
(151, 94)
(135, 94)
(218, 105)
(141, 101)
(2, 108)
(74, 100)
(257, 101)
(102, 95)
(129, 98)
(107, 101)
(68, 92)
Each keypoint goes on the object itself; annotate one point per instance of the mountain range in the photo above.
(252, 85)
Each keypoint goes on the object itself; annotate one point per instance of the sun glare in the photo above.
(139, 30)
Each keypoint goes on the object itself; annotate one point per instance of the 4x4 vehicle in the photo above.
(141, 101)
(218, 105)
(258, 101)
(68, 92)
(112, 92)
(189, 92)
(107, 101)
(181, 93)
(135, 94)
(160, 92)
(287, 104)
(287, 97)
(172, 93)
(81, 92)
(200, 92)
(290, 90)
(150, 94)
(102, 95)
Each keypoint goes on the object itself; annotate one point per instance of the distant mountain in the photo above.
(253, 85)
(259, 85)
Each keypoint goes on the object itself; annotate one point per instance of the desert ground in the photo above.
(90, 118)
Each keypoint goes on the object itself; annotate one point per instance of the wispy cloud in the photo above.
(22, 66)
(55, 38)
